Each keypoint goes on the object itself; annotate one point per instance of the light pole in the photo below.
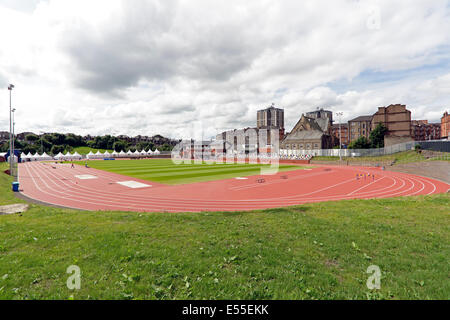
(13, 128)
(339, 114)
(11, 151)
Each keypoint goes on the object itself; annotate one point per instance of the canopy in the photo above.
(157, 151)
(59, 156)
(45, 157)
(76, 155)
(107, 154)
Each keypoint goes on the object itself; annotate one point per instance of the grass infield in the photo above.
(315, 251)
(165, 171)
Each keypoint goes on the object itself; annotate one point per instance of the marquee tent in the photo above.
(98, 155)
(90, 155)
(45, 157)
(59, 156)
(76, 156)
(157, 152)
(122, 154)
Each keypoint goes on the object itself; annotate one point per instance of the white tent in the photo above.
(122, 154)
(67, 156)
(23, 155)
(98, 155)
(114, 154)
(29, 155)
(137, 153)
(90, 155)
(157, 152)
(129, 153)
(59, 156)
(107, 154)
(143, 152)
(76, 156)
(45, 157)
(36, 157)
(150, 152)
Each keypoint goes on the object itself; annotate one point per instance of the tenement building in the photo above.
(445, 125)
(423, 131)
(340, 132)
(360, 127)
(397, 119)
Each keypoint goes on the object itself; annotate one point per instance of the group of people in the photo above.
(365, 176)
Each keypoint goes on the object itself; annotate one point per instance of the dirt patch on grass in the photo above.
(13, 208)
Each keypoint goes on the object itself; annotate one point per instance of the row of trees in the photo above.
(55, 142)
(376, 139)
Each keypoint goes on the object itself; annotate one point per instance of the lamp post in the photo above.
(339, 114)
(11, 151)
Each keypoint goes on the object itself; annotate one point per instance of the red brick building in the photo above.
(445, 125)
(344, 134)
(423, 131)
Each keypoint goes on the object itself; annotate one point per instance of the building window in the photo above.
(316, 146)
(308, 146)
(301, 146)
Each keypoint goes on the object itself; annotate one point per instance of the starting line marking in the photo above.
(239, 178)
(133, 184)
(86, 177)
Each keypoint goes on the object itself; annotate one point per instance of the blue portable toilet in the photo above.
(15, 186)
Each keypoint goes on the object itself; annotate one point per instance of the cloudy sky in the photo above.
(148, 67)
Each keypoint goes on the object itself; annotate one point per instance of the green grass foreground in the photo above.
(316, 251)
(165, 171)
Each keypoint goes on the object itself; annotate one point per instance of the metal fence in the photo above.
(436, 145)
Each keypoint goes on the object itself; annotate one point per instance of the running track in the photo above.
(57, 184)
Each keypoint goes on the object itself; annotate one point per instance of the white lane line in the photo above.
(365, 186)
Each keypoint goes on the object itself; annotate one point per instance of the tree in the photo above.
(377, 136)
(31, 138)
(57, 149)
(120, 146)
(360, 143)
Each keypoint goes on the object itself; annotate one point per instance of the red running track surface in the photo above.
(57, 184)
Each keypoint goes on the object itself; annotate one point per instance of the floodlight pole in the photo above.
(13, 128)
(339, 114)
(11, 146)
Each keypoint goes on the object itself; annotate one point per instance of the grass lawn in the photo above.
(165, 171)
(315, 251)
(399, 158)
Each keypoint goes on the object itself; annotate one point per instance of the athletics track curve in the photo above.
(92, 189)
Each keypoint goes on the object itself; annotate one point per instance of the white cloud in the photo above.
(147, 67)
